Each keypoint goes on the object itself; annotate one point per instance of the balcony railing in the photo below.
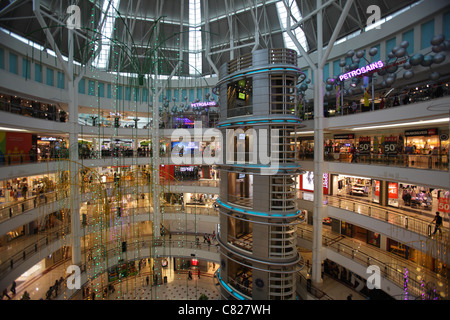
(400, 271)
(32, 112)
(418, 161)
(389, 215)
(15, 208)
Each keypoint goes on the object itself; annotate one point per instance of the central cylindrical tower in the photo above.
(258, 213)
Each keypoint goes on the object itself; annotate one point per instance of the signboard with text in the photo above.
(364, 145)
(421, 132)
(390, 145)
(444, 205)
(393, 190)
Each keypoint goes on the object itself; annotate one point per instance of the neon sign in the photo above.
(360, 71)
(203, 104)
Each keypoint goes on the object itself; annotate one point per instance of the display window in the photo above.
(306, 182)
(239, 97)
(240, 189)
(376, 191)
(361, 234)
(423, 141)
(422, 198)
(353, 186)
(393, 194)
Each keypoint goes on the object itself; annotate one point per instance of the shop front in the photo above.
(421, 198)
(361, 234)
(342, 146)
(427, 148)
(52, 148)
(305, 148)
(305, 185)
(344, 185)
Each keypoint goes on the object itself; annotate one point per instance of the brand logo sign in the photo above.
(203, 104)
(363, 70)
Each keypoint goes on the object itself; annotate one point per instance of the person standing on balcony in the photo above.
(438, 223)
(353, 152)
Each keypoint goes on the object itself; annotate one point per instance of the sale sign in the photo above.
(390, 145)
(325, 183)
(393, 190)
(377, 188)
(364, 145)
(443, 205)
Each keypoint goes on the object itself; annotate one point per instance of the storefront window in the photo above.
(240, 189)
(376, 191)
(421, 198)
(354, 186)
(240, 277)
(240, 98)
(240, 233)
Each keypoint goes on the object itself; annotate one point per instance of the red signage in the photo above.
(443, 205)
(17, 144)
(377, 188)
(364, 145)
(307, 182)
(325, 183)
(393, 190)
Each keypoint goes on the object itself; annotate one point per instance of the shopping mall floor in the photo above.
(178, 287)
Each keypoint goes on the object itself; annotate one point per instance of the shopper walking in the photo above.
(13, 288)
(5, 294)
(25, 296)
(438, 223)
(353, 152)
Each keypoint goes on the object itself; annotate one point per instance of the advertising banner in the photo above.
(364, 145)
(390, 145)
(393, 190)
(17, 143)
(443, 205)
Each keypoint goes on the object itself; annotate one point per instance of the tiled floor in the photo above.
(178, 287)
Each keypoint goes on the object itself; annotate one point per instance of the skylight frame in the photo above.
(298, 32)
(101, 61)
(195, 37)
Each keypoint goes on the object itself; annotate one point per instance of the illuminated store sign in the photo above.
(203, 104)
(421, 132)
(349, 136)
(360, 71)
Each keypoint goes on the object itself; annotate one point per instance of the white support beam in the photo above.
(230, 26)
(295, 40)
(254, 12)
(208, 38)
(50, 39)
(336, 32)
